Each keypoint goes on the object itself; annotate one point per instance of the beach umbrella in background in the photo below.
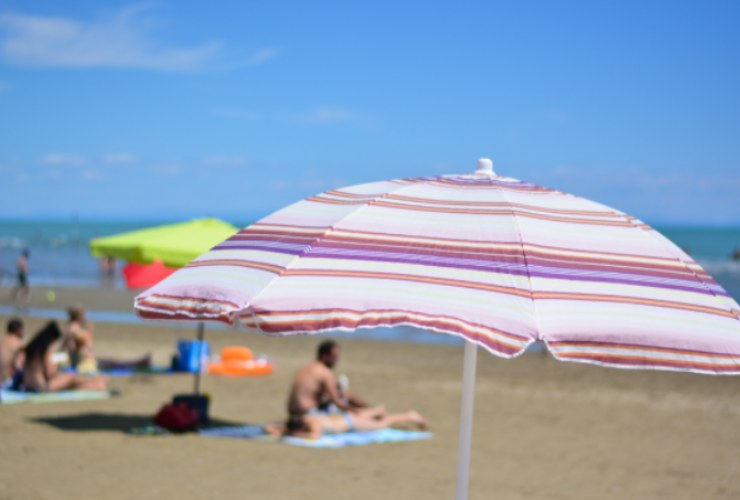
(153, 254)
(497, 261)
(174, 245)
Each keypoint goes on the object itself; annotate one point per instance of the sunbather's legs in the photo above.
(370, 411)
(141, 363)
(276, 429)
(409, 418)
(336, 423)
(65, 381)
(363, 421)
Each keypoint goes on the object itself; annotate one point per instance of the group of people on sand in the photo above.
(33, 366)
(318, 404)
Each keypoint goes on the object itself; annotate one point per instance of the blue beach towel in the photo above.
(14, 397)
(128, 372)
(325, 441)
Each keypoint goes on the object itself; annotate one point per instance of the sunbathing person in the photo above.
(41, 374)
(11, 353)
(78, 338)
(315, 403)
(78, 343)
(314, 426)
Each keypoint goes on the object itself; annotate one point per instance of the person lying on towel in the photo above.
(317, 405)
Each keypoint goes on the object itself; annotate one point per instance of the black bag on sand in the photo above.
(176, 417)
(196, 402)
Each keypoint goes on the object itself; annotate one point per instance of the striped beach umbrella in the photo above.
(497, 261)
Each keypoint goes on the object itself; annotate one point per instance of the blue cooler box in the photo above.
(192, 355)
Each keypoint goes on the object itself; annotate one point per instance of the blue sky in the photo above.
(233, 109)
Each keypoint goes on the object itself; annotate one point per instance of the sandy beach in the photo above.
(543, 429)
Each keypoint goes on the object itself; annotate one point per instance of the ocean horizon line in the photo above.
(254, 216)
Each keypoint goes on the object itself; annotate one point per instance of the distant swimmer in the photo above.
(735, 255)
(22, 287)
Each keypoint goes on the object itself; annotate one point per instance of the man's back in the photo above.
(10, 345)
(310, 386)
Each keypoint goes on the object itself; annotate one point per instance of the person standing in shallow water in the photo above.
(22, 287)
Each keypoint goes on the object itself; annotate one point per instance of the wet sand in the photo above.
(543, 429)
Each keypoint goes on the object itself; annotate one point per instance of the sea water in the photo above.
(60, 252)
(60, 256)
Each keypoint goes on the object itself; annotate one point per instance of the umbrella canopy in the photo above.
(497, 261)
(173, 244)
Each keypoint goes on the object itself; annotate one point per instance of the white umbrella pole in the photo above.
(466, 421)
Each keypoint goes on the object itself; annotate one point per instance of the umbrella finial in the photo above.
(485, 166)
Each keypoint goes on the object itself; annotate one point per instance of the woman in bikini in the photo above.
(40, 373)
(78, 343)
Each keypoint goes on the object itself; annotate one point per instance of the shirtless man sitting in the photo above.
(315, 386)
(11, 352)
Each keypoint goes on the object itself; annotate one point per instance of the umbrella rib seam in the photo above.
(654, 235)
(313, 242)
(526, 263)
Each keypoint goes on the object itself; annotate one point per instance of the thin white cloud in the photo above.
(91, 175)
(4, 86)
(119, 158)
(63, 159)
(328, 114)
(263, 55)
(121, 41)
(225, 161)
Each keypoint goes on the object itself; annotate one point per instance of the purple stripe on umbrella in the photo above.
(515, 270)
(674, 276)
(554, 262)
(480, 265)
(267, 245)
